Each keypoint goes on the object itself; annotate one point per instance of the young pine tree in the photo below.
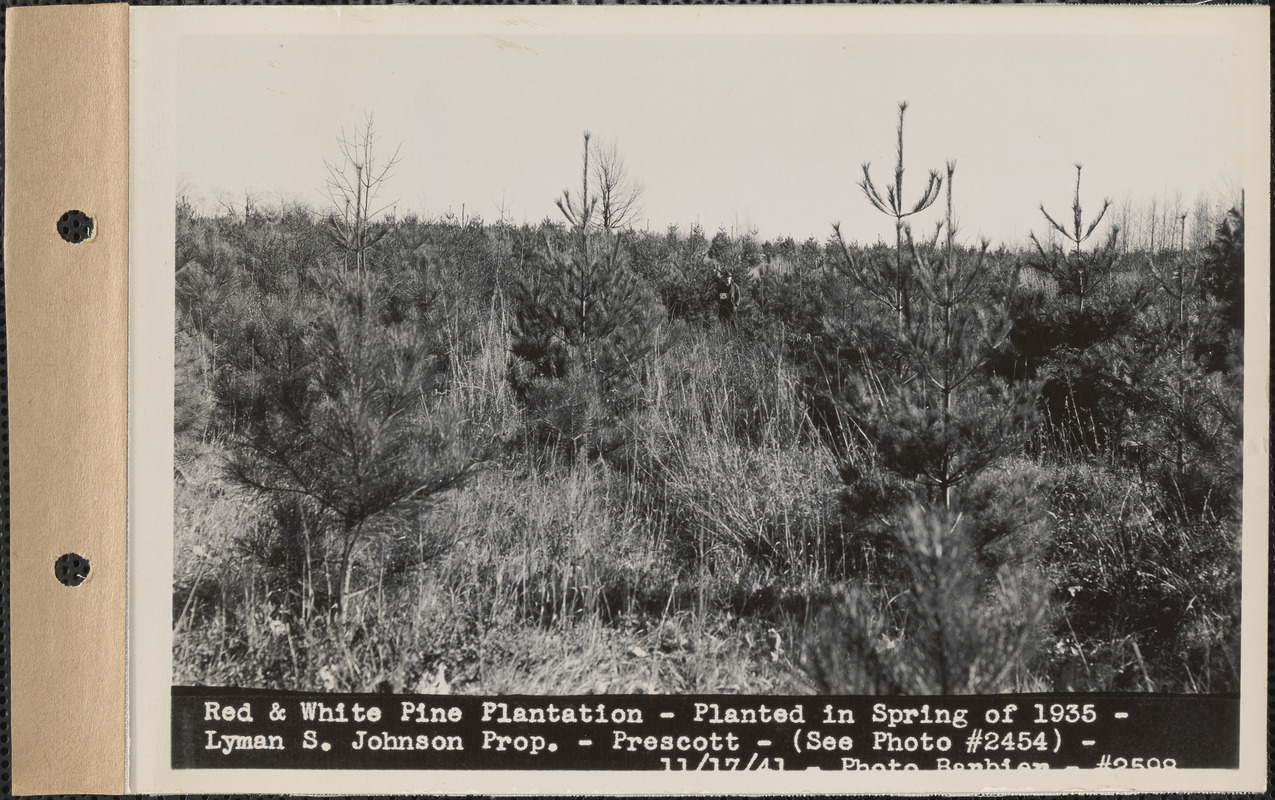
(1223, 277)
(1079, 274)
(1188, 379)
(331, 406)
(584, 323)
(330, 398)
(1070, 334)
(957, 626)
(967, 604)
(947, 418)
(890, 282)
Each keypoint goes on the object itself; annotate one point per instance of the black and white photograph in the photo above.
(810, 360)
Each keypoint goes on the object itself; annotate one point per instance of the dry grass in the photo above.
(713, 555)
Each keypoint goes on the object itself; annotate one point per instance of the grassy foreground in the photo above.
(723, 552)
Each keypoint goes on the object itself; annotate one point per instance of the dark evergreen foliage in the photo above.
(584, 324)
(328, 402)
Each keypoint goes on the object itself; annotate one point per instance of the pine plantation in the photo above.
(414, 453)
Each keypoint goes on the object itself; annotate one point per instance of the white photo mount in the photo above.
(130, 746)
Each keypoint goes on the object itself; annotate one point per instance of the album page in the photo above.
(728, 400)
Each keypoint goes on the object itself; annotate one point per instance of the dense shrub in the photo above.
(328, 402)
(1151, 603)
(583, 327)
(951, 626)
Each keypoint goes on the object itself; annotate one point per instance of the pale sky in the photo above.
(722, 130)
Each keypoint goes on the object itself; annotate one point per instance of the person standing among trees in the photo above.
(727, 298)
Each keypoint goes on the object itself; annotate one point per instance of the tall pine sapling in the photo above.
(960, 617)
(583, 325)
(1073, 336)
(1177, 322)
(955, 419)
(330, 398)
(579, 209)
(889, 284)
(1188, 385)
(1224, 268)
(972, 418)
(1079, 274)
(332, 405)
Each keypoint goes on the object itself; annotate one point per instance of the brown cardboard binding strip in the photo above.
(66, 147)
